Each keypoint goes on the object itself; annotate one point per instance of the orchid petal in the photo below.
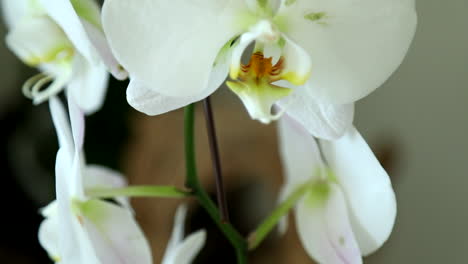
(88, 84)
(89, 11)
(178, 250)
(96, 176)
(367, 187)
(37, 40)
(62, 126)
(14, 11)
(74, 246)
(186, 251)
(192, 31)
(177, 233)
(49, 238)
(300, 158)
(355, 45)
(322, 120)
(146, 100)
(325, 231)
(76, 170)
(77, 123)
(114, 233)
(297, 64)
(63, 13)
(299, 152)
(263, 6)
(50, 209)
(96, 36)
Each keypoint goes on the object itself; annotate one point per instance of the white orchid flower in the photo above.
(78, 229)
(180, 250)
(325, 54)
(349, 209)
(64, 39)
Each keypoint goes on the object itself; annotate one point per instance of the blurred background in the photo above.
(416, 123)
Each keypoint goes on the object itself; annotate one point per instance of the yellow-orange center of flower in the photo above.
(261, 69)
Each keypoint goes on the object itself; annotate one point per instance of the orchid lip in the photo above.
(255, 87)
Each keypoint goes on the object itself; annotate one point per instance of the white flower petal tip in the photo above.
(49, 238)
(324, 228)
(180, 250)
(367, 187)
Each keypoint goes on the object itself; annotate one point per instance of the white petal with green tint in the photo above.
(63, 13)
(88, 10)
(14, 11)
(324, 229)
(354, 46)
(114, 233)
(300, 158)
(36, 40)
(171, 45)
(367, 188)
(73, 243)
(297, 65)
(268, 7)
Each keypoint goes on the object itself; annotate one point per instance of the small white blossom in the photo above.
(64, 40)
(350, 209)
(79, 229)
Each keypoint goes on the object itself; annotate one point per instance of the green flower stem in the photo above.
(192, 182)
(256, 237)
(138, 191)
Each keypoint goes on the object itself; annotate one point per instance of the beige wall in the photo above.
(424, 107)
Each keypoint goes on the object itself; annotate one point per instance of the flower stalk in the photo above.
(211, 130)
(192, 182)
(138, 191)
